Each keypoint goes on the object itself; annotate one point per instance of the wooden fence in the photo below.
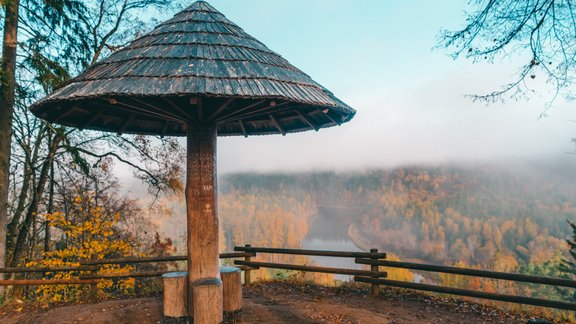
(375, 276)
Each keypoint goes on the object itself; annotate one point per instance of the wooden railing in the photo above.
(374, 255)
(375, 276)
(92, 266)
(473, 273)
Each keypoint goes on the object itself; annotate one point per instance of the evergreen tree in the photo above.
(569, 265)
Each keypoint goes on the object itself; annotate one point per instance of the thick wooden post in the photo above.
(375, 287)
(202, 211)
(247, 271)
(174, 298)
(207, 294)
(232, 294)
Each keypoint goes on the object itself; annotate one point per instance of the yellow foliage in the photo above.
(397, 273)
(90, 236)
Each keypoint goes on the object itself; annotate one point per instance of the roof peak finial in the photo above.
(201, 5)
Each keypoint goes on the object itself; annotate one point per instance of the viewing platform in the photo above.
(285, 302)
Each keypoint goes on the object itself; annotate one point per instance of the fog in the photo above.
(383, 59)
(379, 57)
(426, 123)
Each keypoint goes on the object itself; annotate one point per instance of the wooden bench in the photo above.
(207, 294)
(232, 293)
(174, 297)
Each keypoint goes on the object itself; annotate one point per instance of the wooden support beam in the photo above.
(159, 110)
(326, 113)
(243, 128)
(164, 129)
(144, 112)
(64, 114)
(125, 125)
(238, 111)
(91, 120)
(277, 125)
(220, 109)
(151, 106)
(308, 120)
(187, 116)
(197, 102)
(261, 111)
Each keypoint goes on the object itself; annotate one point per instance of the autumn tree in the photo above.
(58, 39)
(88, 229)
(541, 32)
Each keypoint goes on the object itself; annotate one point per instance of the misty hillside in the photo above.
(489, 215)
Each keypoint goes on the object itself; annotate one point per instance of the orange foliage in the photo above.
(90, 235)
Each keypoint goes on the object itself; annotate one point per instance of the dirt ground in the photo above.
(283, 303)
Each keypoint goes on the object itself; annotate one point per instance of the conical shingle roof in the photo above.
(196, 67)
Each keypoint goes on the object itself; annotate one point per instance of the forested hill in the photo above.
(488, 215)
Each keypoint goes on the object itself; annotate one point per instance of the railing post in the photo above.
(375, 287)
(247, 278)
(93, 292)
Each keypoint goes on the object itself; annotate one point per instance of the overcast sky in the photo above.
(378, 57)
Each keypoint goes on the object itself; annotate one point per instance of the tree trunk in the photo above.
(12, 228)
(7, 87)
(36, 197)
(202, 208)
(31, 158)
(50, 210)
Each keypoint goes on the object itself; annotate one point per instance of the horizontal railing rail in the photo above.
(118, 275)
(171, 258)
(341, 254)
(93, 265)
(472, 272)
(46, 269)
(307, 268)
(470, 293)
(42, 282)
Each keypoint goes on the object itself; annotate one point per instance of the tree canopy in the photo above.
(55, 41)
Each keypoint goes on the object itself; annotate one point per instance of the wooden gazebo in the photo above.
(197, 75)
